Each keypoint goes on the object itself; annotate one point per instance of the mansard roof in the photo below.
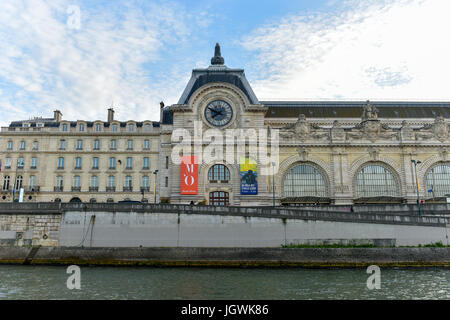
(200, 77)
(218, 72)
(353, 109)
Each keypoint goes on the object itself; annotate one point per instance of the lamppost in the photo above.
(15, 185)
(417, 181)
(156, 175)
(273, 182)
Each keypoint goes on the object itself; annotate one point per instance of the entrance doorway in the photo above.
(219, 198)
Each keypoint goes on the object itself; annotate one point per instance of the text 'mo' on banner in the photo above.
(249, 176)
(189, 175)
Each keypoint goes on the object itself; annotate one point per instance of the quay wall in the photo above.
(228, 257)
(148, 225)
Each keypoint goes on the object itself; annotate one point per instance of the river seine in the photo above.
(49, 282)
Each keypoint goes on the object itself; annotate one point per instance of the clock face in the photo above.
(218, 113)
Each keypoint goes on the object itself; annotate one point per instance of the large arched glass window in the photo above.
(305, 180)
(438, 180)
(218, 172)
(375, 180)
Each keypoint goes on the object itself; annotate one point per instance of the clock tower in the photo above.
(221, 99)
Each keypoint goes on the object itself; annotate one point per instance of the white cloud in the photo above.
(46, 65)
(381, 50)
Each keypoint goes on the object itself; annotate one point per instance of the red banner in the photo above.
(189, 175)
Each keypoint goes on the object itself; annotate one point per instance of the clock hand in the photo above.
(212, 110)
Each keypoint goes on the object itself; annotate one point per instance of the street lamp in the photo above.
(16, 185)
(273, 182)
(417, 181)
(154, 190)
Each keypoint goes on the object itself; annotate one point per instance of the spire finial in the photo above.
(217, 59)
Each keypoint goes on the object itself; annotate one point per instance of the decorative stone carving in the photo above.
(370, 127)
(370, 112)
(438, 130)
(373, 152)
(337, 132)
(303, 130)
(407, 133)
(303, 153)
(444, 153)
(372, 130)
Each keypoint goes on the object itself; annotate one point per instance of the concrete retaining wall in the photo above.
(147, 225)
(134, 229)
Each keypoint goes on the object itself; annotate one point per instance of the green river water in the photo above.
(49, 282)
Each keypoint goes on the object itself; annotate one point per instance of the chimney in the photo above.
(110, 115)
(161, 107)
(57, 116)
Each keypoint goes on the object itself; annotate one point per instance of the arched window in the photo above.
(305, 180)
(437, 180)
(375, 180)
(218, 172)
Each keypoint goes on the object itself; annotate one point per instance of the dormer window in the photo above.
(98, 127)
(115, 127)
(131, 127)
(81, 127)
(65, 127)
(26, 125)
(39, 125)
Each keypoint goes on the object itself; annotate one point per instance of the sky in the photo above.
(82, 57)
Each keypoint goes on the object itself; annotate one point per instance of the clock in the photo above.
(218, 113)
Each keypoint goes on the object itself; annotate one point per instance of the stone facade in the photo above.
(348, 147)
(46, 140)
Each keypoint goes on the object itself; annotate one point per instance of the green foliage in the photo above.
(436, 245)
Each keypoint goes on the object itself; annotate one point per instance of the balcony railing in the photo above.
(93, 189)
(110, 189)
(127, 189)
(58, 189)
(76, 189)
(145, 189)
(32, 189)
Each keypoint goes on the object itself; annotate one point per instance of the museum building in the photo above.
(329, 152)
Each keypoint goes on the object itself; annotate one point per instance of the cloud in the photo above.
(381, 50)
(48, 61)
